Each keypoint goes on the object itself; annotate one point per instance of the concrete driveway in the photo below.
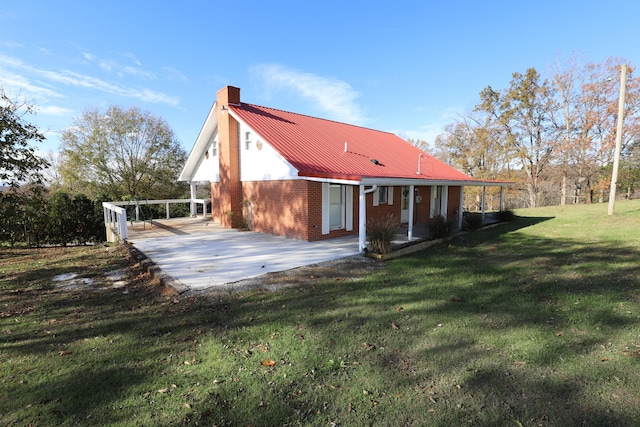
(200, 254)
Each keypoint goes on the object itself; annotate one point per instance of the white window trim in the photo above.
(376, 196)
(247, 141)
(325, 208)
(348, 202)
(346, 212)
(214, 147)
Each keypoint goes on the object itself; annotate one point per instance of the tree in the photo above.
(122, 153)
(18, 160)
(588, 97)
(525, 112)
(475, 144)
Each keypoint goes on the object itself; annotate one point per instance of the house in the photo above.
(309, 178)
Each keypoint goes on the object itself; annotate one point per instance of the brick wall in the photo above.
(277, 207)
(230, 194)
(216, 213)
(453, 202)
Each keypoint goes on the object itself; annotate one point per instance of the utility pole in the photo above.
(616, 156)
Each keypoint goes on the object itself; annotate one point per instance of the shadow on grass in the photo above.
(505, 326)
(496, 328)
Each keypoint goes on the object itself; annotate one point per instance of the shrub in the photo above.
(506, 216)
(440, 227)
(472, 221)
(380, 232)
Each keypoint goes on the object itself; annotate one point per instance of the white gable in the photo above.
(202, 163)
(259, 161)
(208, 168)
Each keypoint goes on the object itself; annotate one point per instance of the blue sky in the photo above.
(407, 67)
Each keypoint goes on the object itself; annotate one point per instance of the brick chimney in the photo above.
(229, 154)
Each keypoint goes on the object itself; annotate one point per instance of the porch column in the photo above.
(502, 188)
(412, 197)
(460, 206)
(192, 186)
(362, 216)
(362, 220)
(484, 196)
(444, 202)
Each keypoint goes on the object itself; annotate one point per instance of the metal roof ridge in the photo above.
(314, 117)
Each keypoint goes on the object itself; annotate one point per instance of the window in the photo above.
(382, 194)
(214, 147)
(247, 140)
(336, 207)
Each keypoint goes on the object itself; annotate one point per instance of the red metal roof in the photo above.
(316, 148)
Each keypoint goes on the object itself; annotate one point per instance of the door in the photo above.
(404, 204)
(436, 201)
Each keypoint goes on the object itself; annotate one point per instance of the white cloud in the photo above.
(15, 84)
(78, 80)
(175, 74)
(333, 96)
(52, 110)
(11, 44)
(112, 66)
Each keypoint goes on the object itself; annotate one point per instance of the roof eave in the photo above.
(200, 146)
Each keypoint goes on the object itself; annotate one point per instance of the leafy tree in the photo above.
(23, 215)
(61, 223)
(421, 144)
(525, 113)
(18, 161)
(122, 153)
(475, 144)
(588, 118)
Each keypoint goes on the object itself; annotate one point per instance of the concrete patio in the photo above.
(200, 254)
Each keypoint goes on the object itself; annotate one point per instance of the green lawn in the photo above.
(534, 323)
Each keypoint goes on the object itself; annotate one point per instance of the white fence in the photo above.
(115, 215)
(115, 222)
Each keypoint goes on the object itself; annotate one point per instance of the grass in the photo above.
(531, 323)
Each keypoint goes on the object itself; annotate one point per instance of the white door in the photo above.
(404, 205)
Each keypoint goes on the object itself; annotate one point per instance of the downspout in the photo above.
(460, 206)
(412, 197)
(362, 216)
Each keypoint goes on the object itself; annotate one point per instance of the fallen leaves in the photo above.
(268, 363)
(369, 346)
(168, 389)
(394, 326)
(17, 311)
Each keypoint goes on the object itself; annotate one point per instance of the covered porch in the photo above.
(439, 204)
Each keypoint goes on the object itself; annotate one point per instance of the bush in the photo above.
(472, 221)
(506, 216)
(440, 227)
(31, 216)
(380, 232)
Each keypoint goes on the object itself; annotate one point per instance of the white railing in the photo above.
(166, 203)
(115, 215)
(115, 222)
